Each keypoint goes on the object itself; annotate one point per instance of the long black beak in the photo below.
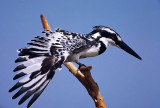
(126, 48)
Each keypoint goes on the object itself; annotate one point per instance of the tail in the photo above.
(37, 68)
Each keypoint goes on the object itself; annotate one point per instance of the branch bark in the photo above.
(83, 75)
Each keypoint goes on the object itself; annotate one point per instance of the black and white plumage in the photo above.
(44, 55)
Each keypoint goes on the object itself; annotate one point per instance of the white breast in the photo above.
(91, 52)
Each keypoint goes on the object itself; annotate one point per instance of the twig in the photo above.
(44, 22)
(83, 75)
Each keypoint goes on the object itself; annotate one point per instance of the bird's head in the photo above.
(109, 37)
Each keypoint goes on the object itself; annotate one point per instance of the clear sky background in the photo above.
(124, 81)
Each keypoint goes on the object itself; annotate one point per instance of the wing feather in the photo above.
(38, 93)
(38, 63)
(32, 90)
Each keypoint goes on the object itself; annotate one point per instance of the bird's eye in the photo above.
(109, 35)
(105, 34)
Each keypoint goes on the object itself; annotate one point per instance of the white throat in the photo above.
(107, 41)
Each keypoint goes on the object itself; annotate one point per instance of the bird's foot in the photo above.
(80, 64)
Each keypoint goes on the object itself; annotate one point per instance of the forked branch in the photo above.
(83, 75)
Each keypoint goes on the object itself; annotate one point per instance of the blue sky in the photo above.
(124, 81)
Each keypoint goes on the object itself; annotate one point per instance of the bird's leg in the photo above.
(80, 64)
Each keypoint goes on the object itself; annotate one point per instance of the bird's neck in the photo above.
(102, 41)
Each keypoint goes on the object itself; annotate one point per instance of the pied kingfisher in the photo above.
(45, 55)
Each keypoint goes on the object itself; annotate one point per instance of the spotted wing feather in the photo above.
(38, 63)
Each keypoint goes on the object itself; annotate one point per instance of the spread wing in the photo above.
(38, 63)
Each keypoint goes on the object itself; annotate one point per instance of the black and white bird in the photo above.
(44, 55)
